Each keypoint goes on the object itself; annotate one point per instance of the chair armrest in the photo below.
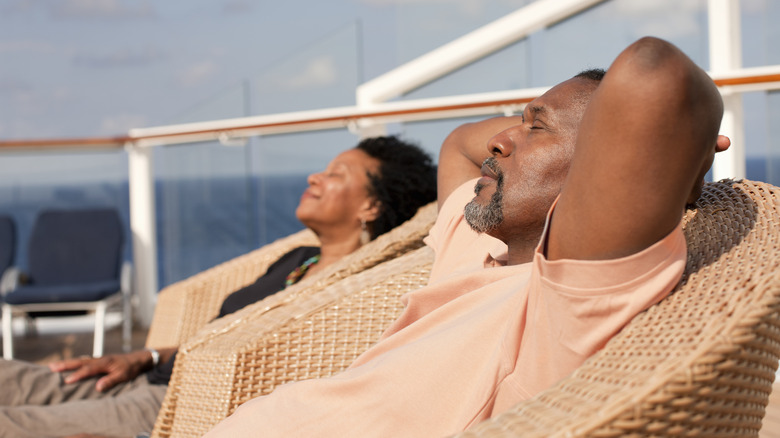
(186, 306)
(10, 280)
(286, 337)
(126, 278)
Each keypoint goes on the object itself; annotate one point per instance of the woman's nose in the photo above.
(313, 178)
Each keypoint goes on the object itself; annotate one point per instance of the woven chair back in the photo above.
(303, 333)
(185, 307)
(701, 362)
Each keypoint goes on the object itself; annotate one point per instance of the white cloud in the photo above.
(318, 72)
(198, 74)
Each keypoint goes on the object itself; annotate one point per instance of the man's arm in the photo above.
(648, 136)
(464, 150)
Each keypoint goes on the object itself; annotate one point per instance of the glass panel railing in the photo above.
(280, 166)
(216, 202)
(553, 54)
(757, 122)
(773, 143)
(34, 181)
(568, 47)
(760, 34)
(202, 197)
(430, 134)
(323, 74)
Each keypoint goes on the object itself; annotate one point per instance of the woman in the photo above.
(364, 192)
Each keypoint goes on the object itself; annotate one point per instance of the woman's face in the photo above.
(338, 197)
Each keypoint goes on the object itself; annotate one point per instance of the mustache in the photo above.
(492, 164)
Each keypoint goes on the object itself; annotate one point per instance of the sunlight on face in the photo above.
(336, 196)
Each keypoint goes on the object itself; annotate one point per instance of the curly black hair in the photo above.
(406, 180)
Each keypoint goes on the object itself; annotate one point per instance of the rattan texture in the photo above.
(404, 238)
(186, 306)
(306, 337)
(701, 362)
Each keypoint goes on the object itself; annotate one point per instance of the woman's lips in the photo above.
(307, 194)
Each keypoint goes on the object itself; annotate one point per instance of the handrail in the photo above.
(758, 78)
(85, 142)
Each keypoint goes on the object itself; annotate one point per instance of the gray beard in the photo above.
(485, 219)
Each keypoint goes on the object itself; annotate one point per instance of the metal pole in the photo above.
(144, 229)
(725, 55)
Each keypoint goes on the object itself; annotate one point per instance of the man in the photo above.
(505, 315)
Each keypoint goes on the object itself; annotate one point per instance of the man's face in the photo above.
(529, 164)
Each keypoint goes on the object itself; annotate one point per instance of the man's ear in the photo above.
(722, 143)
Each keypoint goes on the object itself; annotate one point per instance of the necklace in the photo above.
(298, 272)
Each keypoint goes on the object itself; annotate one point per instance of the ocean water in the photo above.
(200, 222)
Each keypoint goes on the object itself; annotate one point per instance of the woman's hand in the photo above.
(116, 368)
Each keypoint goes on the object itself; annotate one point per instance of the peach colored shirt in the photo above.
(478, 339)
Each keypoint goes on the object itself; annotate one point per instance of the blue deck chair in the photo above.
(7, 249)
(75, 265)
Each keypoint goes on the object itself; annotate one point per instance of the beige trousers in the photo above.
(34, 402)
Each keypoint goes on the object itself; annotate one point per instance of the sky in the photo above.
(81, 68)
(99, 67)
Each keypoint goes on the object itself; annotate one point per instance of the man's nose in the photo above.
(500, 145)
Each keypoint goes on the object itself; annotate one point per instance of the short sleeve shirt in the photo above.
(479, 338)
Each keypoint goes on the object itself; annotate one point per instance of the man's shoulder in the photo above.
(458, 248)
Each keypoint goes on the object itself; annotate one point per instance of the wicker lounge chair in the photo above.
(284, 338)
(699, 363)
(186, 306)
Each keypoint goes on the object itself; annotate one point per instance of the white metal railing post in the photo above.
(726, 55)
(143, 228)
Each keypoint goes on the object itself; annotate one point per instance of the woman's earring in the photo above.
(365, 237)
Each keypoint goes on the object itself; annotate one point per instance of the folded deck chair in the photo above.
(701, 362)
(185, 307)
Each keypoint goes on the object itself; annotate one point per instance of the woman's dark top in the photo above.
(268, 284)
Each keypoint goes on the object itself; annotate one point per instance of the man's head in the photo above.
(529, 163)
